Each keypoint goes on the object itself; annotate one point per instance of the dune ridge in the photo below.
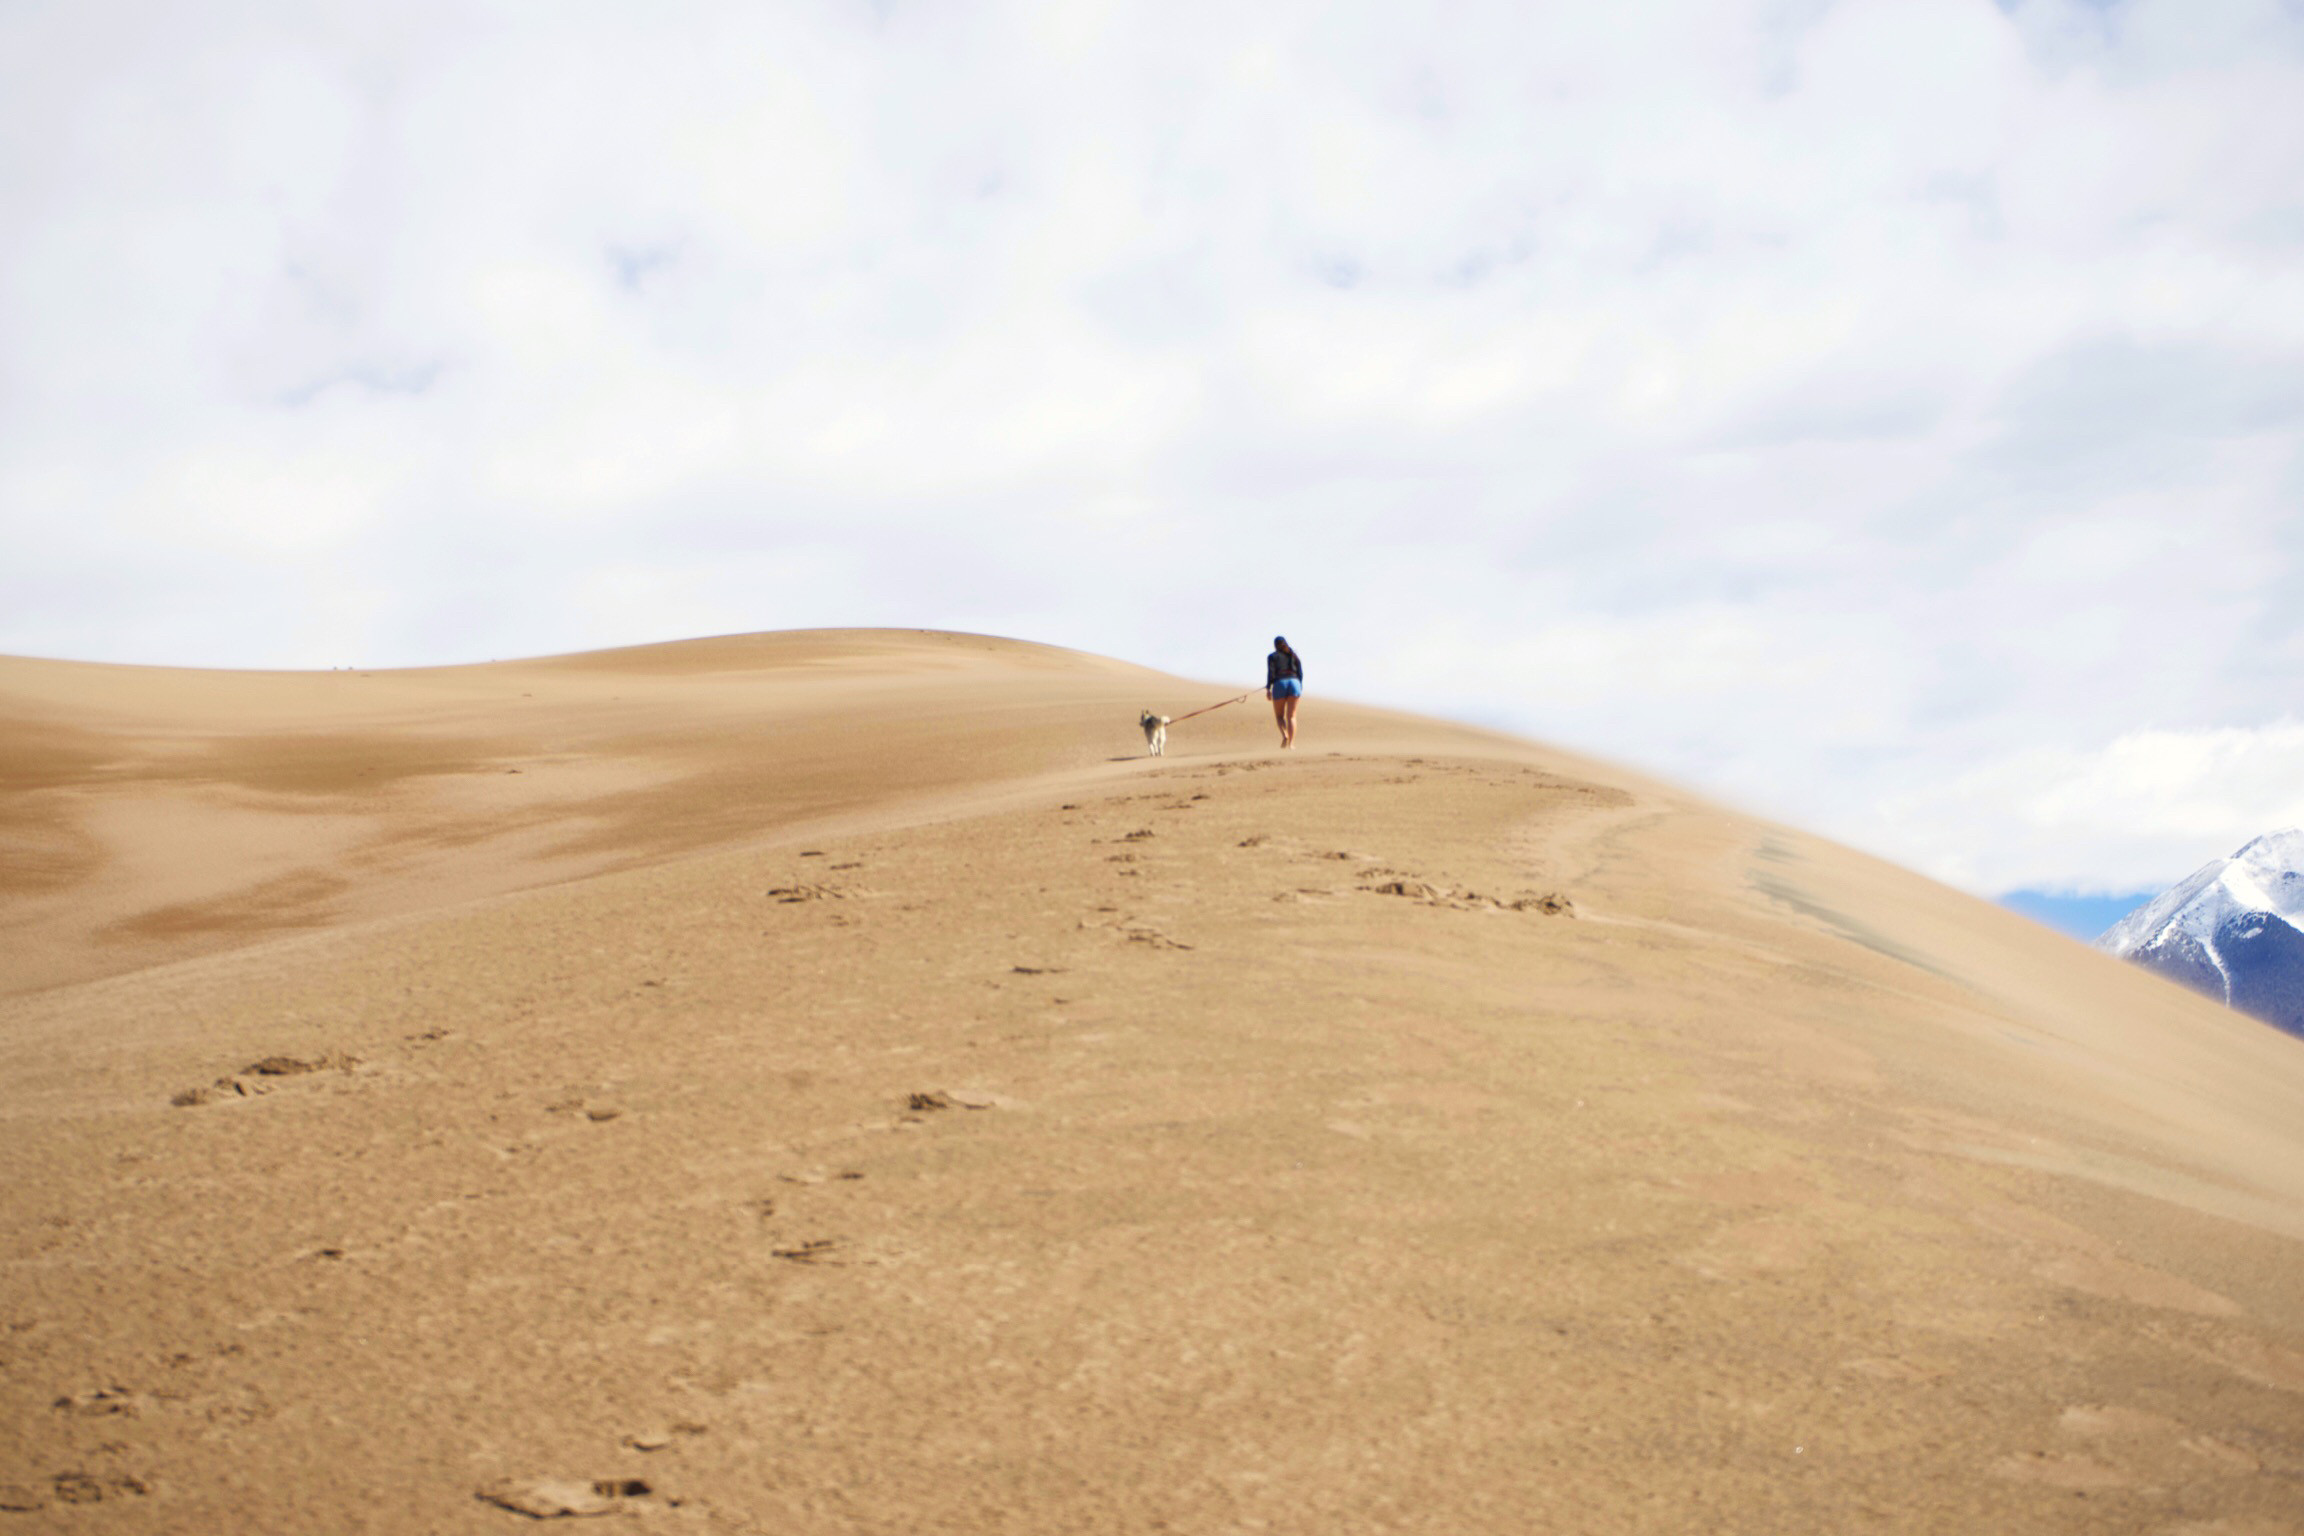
(832, 1081)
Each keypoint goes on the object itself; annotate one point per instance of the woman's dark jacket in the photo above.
(1282, 664)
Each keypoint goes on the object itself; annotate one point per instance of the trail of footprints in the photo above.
(1374, 878)
(550, 1497)
(795, 1237)
(270, 1074)
(553, 1497)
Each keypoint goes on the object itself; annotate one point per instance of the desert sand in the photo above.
(834, 1082)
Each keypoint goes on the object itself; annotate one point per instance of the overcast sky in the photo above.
(1888, 415)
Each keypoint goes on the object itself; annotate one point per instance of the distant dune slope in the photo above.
(832, 1082)
(147, 813)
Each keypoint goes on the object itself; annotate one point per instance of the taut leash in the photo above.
(1251, 693)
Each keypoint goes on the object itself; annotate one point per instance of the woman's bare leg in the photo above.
(1279, 715)
(1288, 722)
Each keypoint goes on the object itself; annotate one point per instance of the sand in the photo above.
(833, 1082)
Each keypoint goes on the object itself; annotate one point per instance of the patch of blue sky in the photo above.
(2083, 917)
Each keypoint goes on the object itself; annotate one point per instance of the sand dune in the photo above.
(832, 1082)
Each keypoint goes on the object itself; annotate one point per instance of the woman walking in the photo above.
(1284, 685)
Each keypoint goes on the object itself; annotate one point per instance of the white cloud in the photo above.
(1871, 410)
(2145, 804)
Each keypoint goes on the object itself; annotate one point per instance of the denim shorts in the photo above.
(1288, 688)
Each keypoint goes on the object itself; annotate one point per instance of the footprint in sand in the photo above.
(815, 1250)
(548, 1498)
(283, 1066)
(660, 1439)
(961, 1098)
(101, 1402)
(1414, 890)
(86, 1488)
(261, 1077)
(577, 1104)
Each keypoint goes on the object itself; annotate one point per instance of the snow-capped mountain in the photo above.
(2234, 930)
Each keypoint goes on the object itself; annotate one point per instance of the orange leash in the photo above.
(1251, 693)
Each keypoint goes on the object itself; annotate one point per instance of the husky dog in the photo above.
(1155, 734)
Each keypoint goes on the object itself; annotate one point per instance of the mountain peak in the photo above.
(2233, 929)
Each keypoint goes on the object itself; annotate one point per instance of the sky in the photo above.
(2086, 918)
(1885, 415)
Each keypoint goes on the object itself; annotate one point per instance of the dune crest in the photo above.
(149, 813)
(831, 1082)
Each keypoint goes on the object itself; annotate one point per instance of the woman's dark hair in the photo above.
(1281, 641)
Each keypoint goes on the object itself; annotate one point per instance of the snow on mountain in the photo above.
(2233, 929)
